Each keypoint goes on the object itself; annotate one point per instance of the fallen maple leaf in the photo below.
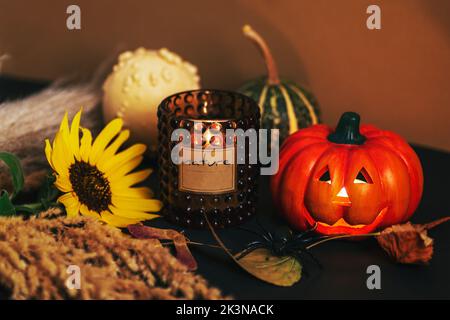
(409, 243)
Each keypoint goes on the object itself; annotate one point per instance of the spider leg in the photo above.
(297, 256)
(306, 241)
(255, 233)
(312, 258)
(251, 246)
(267, 233)
(307, 232)
(253, 243)
(290, 246)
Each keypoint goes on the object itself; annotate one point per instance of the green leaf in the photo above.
(48, 192)
(15, 169)
(282, 271)
(6, 207)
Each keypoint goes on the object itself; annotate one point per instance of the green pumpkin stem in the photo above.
(347, 130)
(272, 70)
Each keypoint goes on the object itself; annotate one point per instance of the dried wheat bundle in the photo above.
(35, 254)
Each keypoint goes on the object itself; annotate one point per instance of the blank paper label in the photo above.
(210, 171)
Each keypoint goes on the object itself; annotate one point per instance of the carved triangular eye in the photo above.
(325, 177)
(363, 177)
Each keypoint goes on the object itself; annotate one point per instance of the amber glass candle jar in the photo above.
(225, 191)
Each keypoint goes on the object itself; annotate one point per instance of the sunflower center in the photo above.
(90, 185)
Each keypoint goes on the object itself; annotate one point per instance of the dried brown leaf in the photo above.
(183, 253)
(409, 243)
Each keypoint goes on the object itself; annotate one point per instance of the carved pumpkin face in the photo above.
(340, 186)
(347, 186)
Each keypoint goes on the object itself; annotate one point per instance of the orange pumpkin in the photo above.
(351, 180)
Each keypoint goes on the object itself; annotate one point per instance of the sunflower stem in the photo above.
(31, 208)
(34, 206)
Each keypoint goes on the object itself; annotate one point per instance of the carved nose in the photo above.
(342, 193)
(342, 198)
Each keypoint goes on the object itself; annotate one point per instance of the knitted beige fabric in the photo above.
(35, 254)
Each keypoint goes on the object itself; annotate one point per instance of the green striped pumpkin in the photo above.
(283, 104)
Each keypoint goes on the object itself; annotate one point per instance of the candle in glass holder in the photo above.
(209, 177)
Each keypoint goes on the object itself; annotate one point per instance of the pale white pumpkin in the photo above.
(139, 82)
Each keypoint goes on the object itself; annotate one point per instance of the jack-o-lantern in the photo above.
(351, 180)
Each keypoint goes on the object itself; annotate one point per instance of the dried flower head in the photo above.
(409, 243)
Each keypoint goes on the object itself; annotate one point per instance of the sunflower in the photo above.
(96, 179)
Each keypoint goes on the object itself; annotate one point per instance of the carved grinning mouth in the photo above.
(342, 226)
(342, 223)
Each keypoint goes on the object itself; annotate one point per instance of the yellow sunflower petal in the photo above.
(68, 199)
(73, 211)
(74, 137)
(64, 126)
(64, 132)
(132, 214)
(122, 157)
(140, 192)
(113, 147)
(56, 150)
(62, 157)
(63, 184)
(117, 221)
(71, 204)
(86, 145)
(131, 179)
(125, 203)
(104, 138)
(88, 213)
(48, 152)
(124, 169)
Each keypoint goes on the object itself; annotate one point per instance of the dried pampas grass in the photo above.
(26, 123)
(35, 255)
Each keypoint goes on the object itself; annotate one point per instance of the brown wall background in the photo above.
(396, 77)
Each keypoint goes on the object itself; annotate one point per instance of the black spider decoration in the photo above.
(295, 244)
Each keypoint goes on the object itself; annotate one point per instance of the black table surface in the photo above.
(344, 263)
